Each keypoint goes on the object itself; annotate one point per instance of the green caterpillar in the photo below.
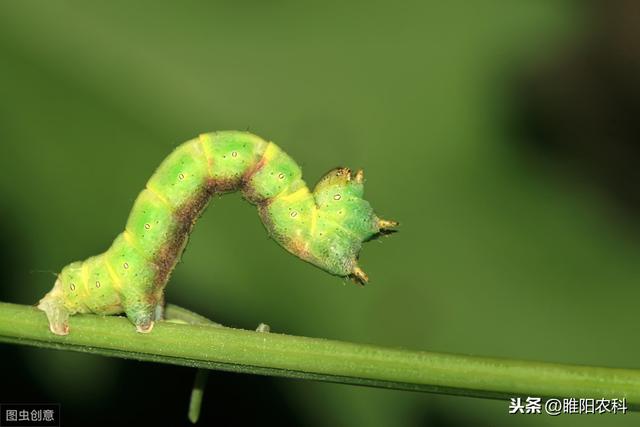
(325, 228)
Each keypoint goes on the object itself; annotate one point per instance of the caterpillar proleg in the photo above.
(325, 227)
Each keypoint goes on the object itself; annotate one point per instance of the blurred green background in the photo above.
(501, 252)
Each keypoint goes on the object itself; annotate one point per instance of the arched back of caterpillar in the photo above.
(325, 227)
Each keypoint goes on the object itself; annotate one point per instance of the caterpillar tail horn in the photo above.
(359, 276)
(387, 224)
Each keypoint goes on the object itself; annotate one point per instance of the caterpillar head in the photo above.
(345, 220)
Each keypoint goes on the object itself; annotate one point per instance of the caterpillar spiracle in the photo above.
(325, 227)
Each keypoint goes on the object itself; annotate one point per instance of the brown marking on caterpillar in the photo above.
(253, 169)
(215, 186)
(263, 213)
(300, 248)
(265, 201)
(186, 216)
(248, 193)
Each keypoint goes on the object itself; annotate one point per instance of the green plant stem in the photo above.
(175, 313)
(246, 351)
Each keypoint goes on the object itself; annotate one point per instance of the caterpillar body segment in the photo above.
(325, 227)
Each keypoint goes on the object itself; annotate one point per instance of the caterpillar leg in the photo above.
(142, 307)
(57, 314)
(143, 320)
(142, 316)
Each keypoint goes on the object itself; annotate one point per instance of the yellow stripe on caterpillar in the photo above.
(84, 274)
(159, 196)
(117, 284)
(296, 196)
(270, 152)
